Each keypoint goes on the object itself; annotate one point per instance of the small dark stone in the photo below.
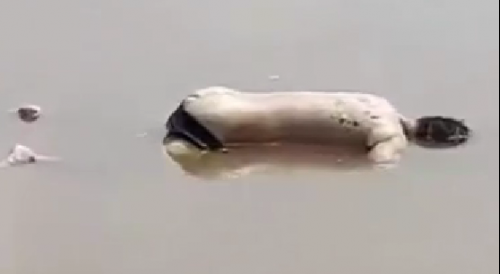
(28, 114)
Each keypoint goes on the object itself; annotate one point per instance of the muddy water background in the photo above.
(106, 70)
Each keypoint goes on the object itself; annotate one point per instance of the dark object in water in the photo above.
(28, 113)
(441, 132)
(181, 125)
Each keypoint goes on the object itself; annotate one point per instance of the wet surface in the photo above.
(106, 70)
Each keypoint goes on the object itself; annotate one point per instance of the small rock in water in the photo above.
(28, 113)
(20, 155)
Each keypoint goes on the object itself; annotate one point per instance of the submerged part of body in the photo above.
(218, 118)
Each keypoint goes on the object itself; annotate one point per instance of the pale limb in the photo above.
(388, 152)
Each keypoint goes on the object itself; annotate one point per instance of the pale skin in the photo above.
(388, 151)
(345, 118)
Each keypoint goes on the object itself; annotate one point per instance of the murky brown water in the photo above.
(107, 70)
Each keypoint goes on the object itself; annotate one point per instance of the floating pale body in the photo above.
(219, 118)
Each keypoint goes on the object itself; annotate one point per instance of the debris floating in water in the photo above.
(141, 135)
(21, 155)
(274, 77)
(28, 113)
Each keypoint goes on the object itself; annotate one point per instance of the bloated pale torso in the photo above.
(340, 118)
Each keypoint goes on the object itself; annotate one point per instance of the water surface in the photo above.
(106, 70)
